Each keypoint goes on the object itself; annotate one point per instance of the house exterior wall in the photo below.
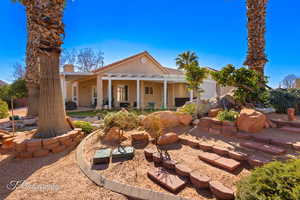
(69, 91)
(298, 83)
(137, 66)
(85, 92)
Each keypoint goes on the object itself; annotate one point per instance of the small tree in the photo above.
(289, 81)
(194, 74)
(3, 109)
(246, 81)
(123, 120)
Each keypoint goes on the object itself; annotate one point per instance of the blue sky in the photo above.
(215, 30)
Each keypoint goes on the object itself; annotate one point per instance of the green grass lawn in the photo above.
(102, 113)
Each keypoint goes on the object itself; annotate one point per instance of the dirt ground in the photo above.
(54, 177)
(134, 172)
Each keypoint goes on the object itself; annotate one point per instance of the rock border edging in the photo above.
(127, 190)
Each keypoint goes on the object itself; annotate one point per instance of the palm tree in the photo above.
(194, 74)
(32, 74)
(46, 17)
(186, 59)
(32, 66)
(256, 14)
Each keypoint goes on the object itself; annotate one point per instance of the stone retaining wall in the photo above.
(26, 147)
(215, 126)
(128, 190)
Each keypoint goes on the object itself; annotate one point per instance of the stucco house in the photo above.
(298, 83)
(138, 81)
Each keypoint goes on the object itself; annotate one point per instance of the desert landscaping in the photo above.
(74, 127)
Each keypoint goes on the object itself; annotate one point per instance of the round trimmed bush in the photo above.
(227, 115)
(87, 127)
(188, 109)
(3, 109)
(124, 120)
(273, 181)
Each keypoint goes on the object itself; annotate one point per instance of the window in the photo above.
(75, 93)
(94, 95)
(122, 93)
(149, 90)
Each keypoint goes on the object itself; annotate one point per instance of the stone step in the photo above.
(257, 161)
(149, 153)
(220, 161)
(220, 191)
(267, 148)
(199, 180)
(169, 163)
(169, 181)
(236, 155)
(183, 170)
(286, 123)
(290, 129)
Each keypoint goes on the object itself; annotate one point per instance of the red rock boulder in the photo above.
(251, 121)
(214, 112)
(168, 138)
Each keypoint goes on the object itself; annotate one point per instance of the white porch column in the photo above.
(99, 92)
(138, 94)
(165, 93)
(64, 87)
(109, 94)
(191, 95)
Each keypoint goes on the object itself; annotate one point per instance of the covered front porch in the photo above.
(112, 91)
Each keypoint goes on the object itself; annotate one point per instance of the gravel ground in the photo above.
(134, 172)
(59, 176)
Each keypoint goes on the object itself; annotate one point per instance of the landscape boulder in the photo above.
(227, 101)
(168, 119)
(185, 119)
(214, 112)
(113, 135)
(140, 136)
(251, 121)
(168, 138)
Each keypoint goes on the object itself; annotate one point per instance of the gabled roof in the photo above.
(145, 53)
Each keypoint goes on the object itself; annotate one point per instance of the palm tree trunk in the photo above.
(52, 117)
(256, 16)
(198, 104)
(33, 100)
(32, 67)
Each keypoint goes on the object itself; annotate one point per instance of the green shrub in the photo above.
(87, 127)
(227, 115)
(3, 109)
(153, 126)
(274, 181)
(123, 120)
(188, 109)
(282, 99)
(248, 84)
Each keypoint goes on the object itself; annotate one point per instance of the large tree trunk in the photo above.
(52, 117)
(33, 100)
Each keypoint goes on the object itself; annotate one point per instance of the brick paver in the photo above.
(169, 181)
